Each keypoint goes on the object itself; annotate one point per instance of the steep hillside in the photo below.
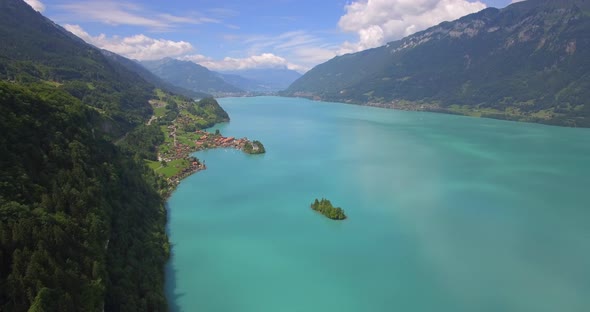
(148, 76)
(82, 220)
(190, 76)
(529, 61)
(73, 210)
(36, 49)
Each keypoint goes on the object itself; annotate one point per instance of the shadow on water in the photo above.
(170, 289)
(171, 273)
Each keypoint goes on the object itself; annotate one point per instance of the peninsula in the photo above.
(177, 152)
(181, 122)
(325, 207)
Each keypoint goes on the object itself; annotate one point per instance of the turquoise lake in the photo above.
(445, 213)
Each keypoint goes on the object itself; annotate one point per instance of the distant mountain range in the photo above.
(191, 76)
(197, 78)
(148, 76)
(261, 80)
(529, 61)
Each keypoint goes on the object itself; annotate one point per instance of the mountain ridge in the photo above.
(526, 62)
(42, 51)
(148, 76)
(191, 76)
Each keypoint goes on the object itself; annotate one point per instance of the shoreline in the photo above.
(458, 110)
(206, 140)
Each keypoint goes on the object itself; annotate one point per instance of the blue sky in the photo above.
(237, 34)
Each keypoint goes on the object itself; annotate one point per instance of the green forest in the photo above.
(526, 62)
(255, 147)
(82, 217)
(82, 224)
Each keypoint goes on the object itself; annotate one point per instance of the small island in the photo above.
(325, 207)
(254, 148)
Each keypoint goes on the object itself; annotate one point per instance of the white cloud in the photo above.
(37, 5)
(187, 20)
(514, 1)
(196, 58)
(377, 22)
(295, 50)
(374, 22)
(303, 49)
(127, 13)
(142, 47)
(264, 60)
(139, 47)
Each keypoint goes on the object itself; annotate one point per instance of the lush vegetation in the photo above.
(207, 110)
(82, 220)
(35, 49)
(143, 141)
(82, 224)
(255, 147)
(168, 169)
(176, 117)
(529, 62)
(325, 207)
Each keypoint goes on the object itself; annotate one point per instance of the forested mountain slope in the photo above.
(82, 220)
(529, 61)
(82, 224)
(35, 49)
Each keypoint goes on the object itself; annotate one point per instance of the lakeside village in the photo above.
(174, 154)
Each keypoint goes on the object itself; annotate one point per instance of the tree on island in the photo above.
(255, 147)
(326, 208)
